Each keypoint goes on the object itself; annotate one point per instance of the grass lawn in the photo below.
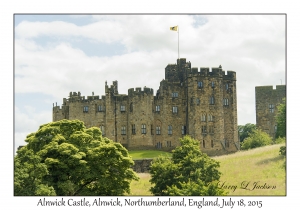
(260, 169)
(144, 154)
(254, 170)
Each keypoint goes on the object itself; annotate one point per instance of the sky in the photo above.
(58, 54)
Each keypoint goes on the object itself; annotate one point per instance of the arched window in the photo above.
(203, 118)
(210, 118)
(102, 130)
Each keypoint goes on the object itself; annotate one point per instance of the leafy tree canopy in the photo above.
(281, 120)
(65, 158)
(245, 130)
(257, 138)
(187, 172)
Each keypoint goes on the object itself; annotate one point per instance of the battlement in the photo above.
(113, 89)
(214, 72)
(231, 75)
(281, 87)
(139, 91)
(75, 97)
(270, 88)
(74, 94)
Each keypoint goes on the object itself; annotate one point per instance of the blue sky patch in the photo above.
(78, 20)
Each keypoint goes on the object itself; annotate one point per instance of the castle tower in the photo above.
(266, 101)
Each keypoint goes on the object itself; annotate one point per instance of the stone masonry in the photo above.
(267, 99)
(202, 104)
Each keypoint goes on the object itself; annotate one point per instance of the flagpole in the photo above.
(178, 41)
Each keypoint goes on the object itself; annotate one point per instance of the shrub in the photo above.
(280, 140)
(187, 172)
(257, 138)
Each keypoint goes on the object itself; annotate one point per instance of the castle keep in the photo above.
(202, 104)
(267, 99)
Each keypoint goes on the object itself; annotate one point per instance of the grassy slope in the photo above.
(143, 154)
(263, 165)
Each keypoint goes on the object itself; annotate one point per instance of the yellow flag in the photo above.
(173, 28)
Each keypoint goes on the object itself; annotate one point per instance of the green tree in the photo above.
(245, 130)
(257, 138)
(65, 158)
(28, 175)
(281, 120)
(187, 172)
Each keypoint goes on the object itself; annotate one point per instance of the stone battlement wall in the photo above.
(139, 91)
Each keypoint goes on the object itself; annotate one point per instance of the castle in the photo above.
(202, 104)
(266, 100)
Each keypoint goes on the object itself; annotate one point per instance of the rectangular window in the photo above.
(170, 129)
(85, 109)
(203, 129)
(211, 100)
(169, 144)
(197, 101)
(123, 130)
(102, 130)
(183, 130)
(200, 84)
(157, 108)
(212, 84)
(226, 86)
(143, 129)
(174, 109)
(100, 108)
(225, 102)
(211, 129)
(175, 95)
(271, 108)
(226, 143)
(122, 108)
(133, 128)
(131, 107)
(212, 143)
(152, 130)
(157, 130)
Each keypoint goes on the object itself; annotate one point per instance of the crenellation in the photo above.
(181, 106)
(231, 75)
(204, 71)
(216, 71)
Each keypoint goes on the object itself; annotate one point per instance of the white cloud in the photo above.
(251, 45)
(28, 121)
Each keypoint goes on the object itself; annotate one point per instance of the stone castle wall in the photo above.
(201, 104)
